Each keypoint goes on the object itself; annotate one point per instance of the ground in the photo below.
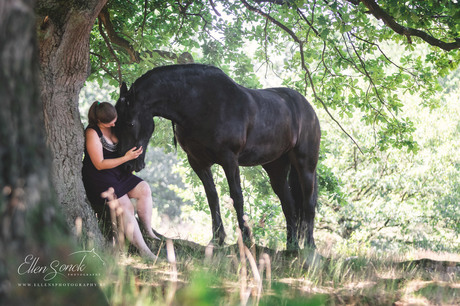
(293, 278)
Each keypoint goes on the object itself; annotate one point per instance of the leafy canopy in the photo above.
(351, 58)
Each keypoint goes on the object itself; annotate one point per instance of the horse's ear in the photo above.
(123, 89)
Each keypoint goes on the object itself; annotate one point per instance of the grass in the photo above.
(300, 278)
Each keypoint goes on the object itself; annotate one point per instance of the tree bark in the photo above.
(30, 218)
(63, 40)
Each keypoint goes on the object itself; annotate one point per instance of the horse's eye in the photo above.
(130, 124)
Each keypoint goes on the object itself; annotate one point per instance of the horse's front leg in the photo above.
(232, 172)
(205, 175)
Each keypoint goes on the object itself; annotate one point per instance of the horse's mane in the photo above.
(183, 69)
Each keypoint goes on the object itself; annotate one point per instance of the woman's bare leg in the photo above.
(132, 230)
(143, 195)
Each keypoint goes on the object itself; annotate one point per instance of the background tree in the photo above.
(63, 39)
(30, 215)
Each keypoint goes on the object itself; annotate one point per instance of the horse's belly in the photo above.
(266, 144)
(249, 161)
(262, 155)
(256, 149)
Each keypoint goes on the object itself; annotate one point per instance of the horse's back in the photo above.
(283, 101)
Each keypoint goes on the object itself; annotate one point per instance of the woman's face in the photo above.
(110, 124)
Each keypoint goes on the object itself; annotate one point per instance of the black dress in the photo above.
(98, 181)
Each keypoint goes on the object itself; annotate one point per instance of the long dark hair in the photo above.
(101, 111)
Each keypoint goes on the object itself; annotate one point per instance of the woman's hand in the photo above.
(96, 152)
(133, 153)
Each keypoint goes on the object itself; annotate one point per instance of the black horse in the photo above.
(221, 122)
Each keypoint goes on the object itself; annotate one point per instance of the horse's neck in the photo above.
(173, 102)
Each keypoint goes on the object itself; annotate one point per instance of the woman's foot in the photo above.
(153, 236)
(150, 233)
(148, 255)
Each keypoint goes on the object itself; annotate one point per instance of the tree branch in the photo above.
(281, 2)
(104, 16)
(113, 38)
(103, 66)
(379, 13)
(214, 8)
(109, 46)
(273, 20)
(144, 19)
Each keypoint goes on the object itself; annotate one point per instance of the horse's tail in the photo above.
(304, 214)
(174, 134)
(315, 190)
(296, 189)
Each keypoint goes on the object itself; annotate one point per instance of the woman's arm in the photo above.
(94, 148)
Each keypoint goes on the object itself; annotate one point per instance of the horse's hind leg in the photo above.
(278, 171)
(306, 203)
(205, 175)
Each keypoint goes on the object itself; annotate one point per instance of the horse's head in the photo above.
(134, 126)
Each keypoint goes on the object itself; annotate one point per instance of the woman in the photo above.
(102, 169)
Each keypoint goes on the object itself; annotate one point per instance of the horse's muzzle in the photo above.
(139, 165)
(135, 165)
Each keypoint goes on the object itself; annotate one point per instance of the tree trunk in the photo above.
(30, 218)
(63, 35)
